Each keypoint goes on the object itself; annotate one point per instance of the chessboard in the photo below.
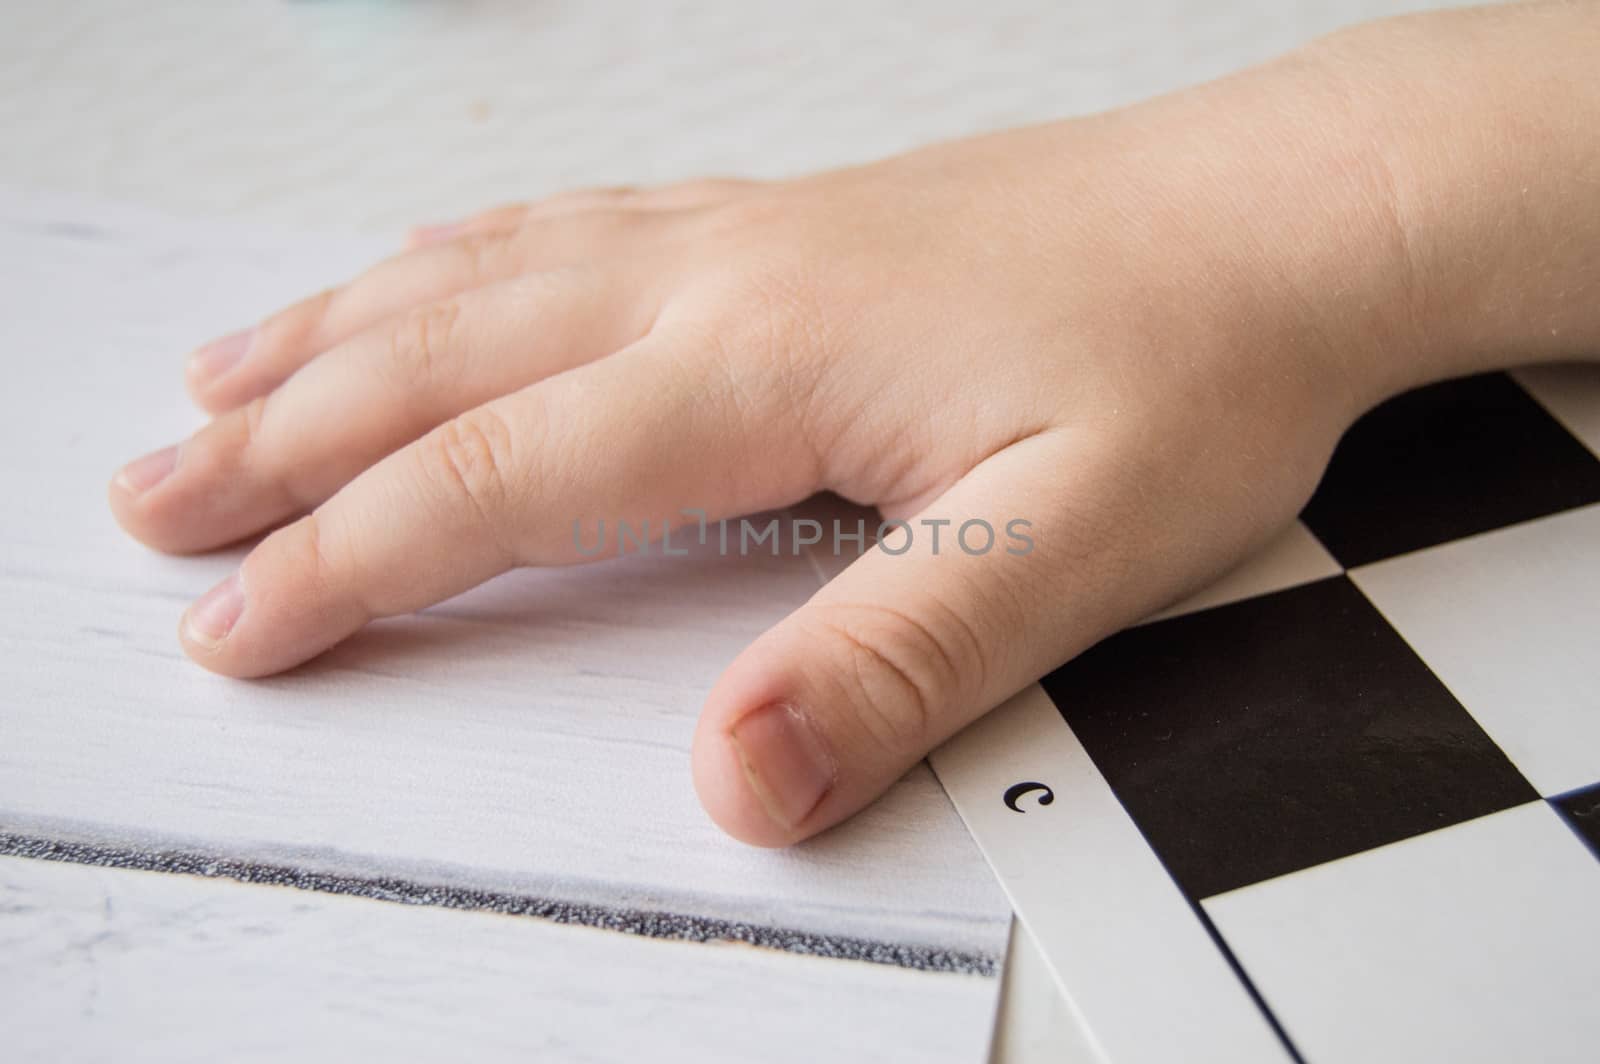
(1344, 806)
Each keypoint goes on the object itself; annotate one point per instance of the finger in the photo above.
(230, 372)
(678, 196)
(280, 455)
(509, 216)
(899, 652)
(639, 435)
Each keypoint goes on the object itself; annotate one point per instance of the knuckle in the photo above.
(552, 238)
(419, 345)
(767, 313)
(901, 670)
(313, 549)
(765, 395)
(299, 322)
(579, 199)
(481, 256)
(252, 421)
(596, 194)
(505, 215)
(314, 546)
(257, 445)
(785, 331)
(767, 287)
(315, 554)
(748, 217)
(700, 189)
(469, 460)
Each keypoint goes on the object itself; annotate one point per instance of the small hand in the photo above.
(1138, 333)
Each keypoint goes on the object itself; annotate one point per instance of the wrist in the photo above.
(1476, 135)
(1398, 203)
(1265, 196)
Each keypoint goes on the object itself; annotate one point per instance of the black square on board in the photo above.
(1581, 810)
(1443, 462)
(1270, 735)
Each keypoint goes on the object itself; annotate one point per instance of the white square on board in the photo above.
(1507, 620)
(1472, 943)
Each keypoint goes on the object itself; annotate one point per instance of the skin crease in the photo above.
(1142, 331)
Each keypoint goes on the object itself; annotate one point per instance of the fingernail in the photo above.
(424, 235)
(214, 614)
(219, 356)
(142, 474)
(785, 760)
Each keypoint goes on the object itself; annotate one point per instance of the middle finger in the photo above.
(286, 452)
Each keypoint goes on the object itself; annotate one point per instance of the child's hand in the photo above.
(1142, 333)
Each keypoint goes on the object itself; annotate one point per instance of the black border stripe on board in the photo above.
(409, 892)
(1244, 977)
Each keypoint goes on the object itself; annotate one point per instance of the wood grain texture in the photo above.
(530, 736)
(375, 114)
(101, 964)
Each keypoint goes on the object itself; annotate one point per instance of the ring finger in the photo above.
(230, 372)
(285, 452)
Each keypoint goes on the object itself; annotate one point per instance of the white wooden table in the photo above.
(521, 752)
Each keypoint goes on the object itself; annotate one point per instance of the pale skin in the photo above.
(1142, 331)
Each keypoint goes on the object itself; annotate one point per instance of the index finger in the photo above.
(640, 435)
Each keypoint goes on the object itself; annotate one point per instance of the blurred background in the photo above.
(372, 115)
